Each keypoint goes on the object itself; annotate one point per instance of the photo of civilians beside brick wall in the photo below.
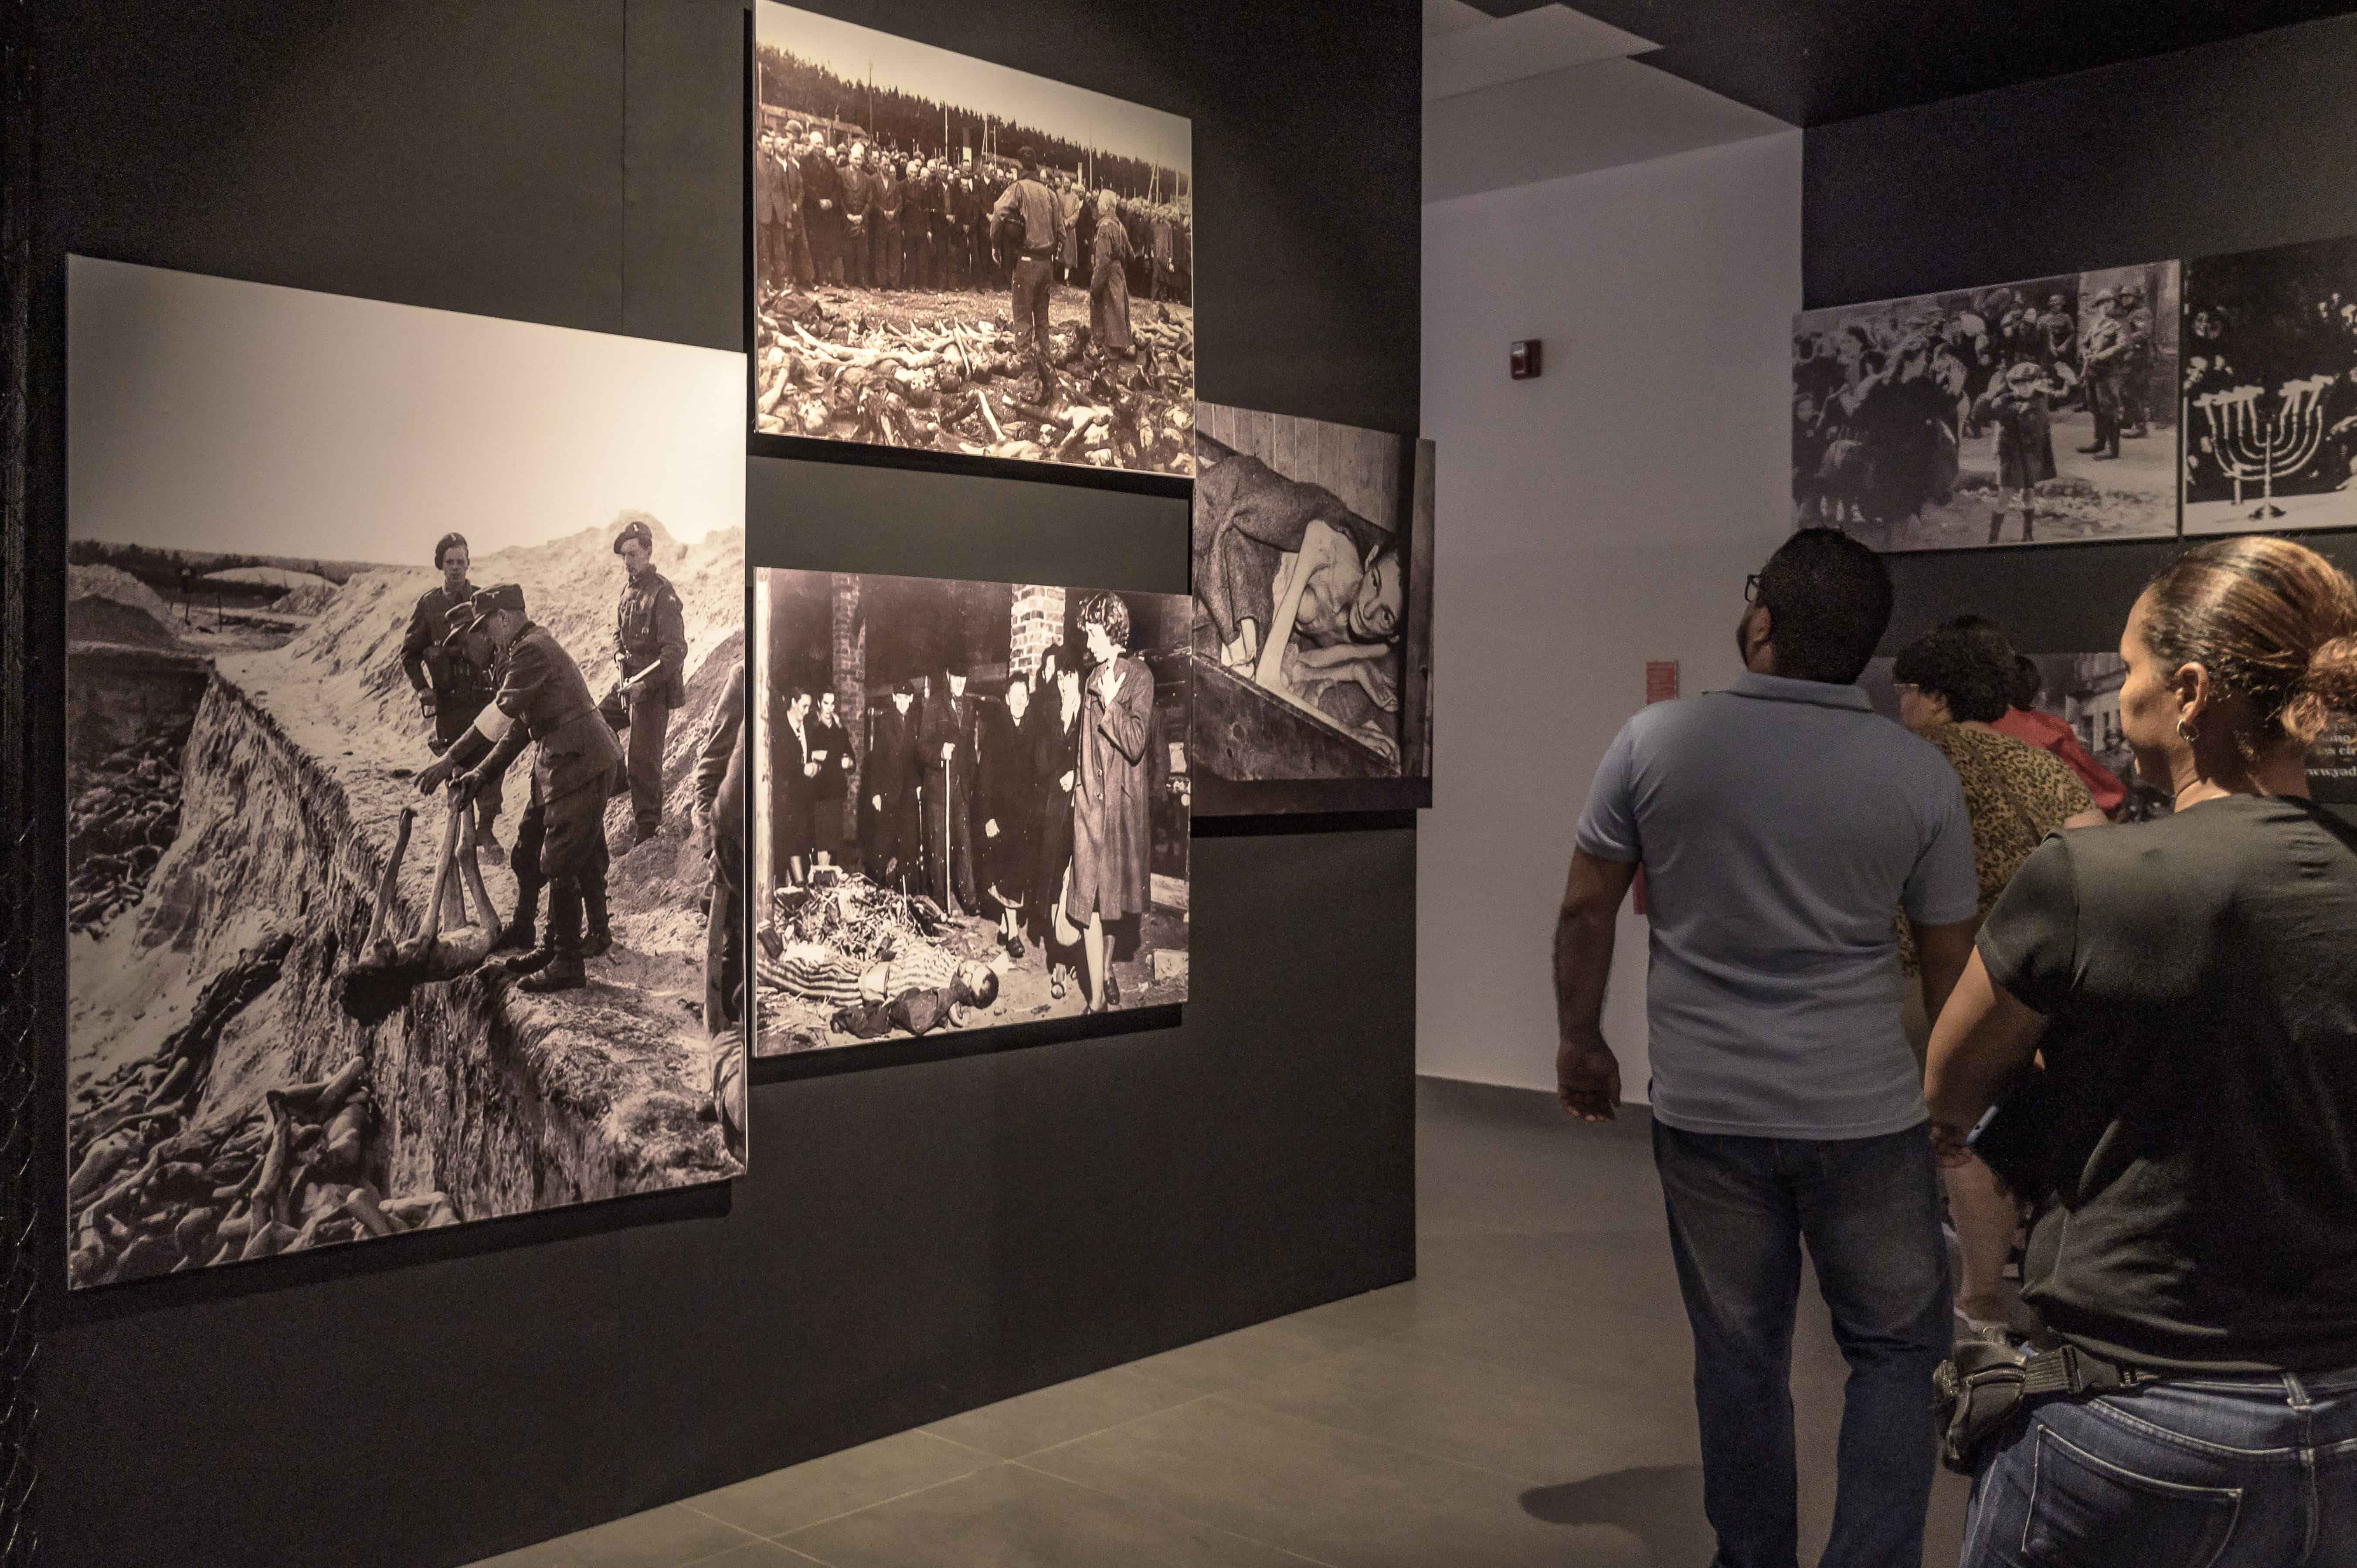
(973, 805)
(1312, 562)
(2037, 413)
(2271, 389)
(325, 552)
(954, 256)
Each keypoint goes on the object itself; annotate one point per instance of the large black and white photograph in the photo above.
(953, 256)
(404, 670)
(2271, 389)
(2038, 412)
(972, 806)
(1312, 566)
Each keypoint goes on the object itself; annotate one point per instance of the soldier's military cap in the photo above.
(505, 596)
(442, 545)
(2130, 291)
(458, 620)
(2103, 294)
(637, 530)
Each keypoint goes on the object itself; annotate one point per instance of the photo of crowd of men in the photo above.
(387, 715)
(958, 257)
(1313, 627)
(2271, 389)
(972, 805)
(2029, 413)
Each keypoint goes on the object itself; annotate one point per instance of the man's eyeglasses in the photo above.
(1751, 589)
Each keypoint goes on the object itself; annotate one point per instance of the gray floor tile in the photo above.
(1013, 1517)
(669, 1536)
(1333, 1496)
(1230, 1360)
(1028, 1422)
(805, 1493)
(1539, 1428)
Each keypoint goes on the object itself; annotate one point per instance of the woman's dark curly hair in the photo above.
(1956, 666)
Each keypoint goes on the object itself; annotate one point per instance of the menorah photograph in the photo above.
(971, 806)
(2271, 389)
(379, 920)
(1312, 562)
(2037, 412)
(957, 257)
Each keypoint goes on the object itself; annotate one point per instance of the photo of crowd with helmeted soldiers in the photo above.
(972, 805)
(2271, 389)
(958, 257)
(2029, 413)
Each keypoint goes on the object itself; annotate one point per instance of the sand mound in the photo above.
(113, 582)
(278, 577)
(97, 619)
(307, 600)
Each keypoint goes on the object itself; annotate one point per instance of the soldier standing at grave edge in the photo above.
(651, 645)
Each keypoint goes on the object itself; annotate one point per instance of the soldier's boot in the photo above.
(598, 940)
(1997, 524)
(518, 935)
(562, 970)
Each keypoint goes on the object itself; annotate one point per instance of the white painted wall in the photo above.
(1588, 521)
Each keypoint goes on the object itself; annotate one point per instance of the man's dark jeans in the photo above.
(1869, 1211)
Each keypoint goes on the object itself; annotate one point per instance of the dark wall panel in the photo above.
(911, 1240)
(2227, 148)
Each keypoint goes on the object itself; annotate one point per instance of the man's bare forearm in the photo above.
(1583, 964)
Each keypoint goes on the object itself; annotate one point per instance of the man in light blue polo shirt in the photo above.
(1782, 824)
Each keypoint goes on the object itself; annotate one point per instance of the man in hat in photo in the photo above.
(544, 701)
(2136, 370)
(650, 646)
(891, 780)
(451, 686)
(945, 745)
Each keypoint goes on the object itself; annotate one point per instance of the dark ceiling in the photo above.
(1811, 61)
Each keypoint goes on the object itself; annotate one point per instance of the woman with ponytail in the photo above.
(2191, 985)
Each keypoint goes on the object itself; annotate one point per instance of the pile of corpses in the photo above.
(123, 818)
(156, 1189)
(954, 386)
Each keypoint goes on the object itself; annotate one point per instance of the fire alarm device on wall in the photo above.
(1523, 359)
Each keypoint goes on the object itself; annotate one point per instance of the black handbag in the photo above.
(1983, 1386)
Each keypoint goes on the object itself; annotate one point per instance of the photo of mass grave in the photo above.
(278, 1037)
(1313, 624)
(2035, 412)
(972, 806)
(958, 257)
(2271, 389)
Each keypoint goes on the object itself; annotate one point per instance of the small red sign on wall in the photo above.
(1660, 686)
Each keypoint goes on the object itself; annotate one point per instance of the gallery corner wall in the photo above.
(2228, 148)
(916, 1240)
(1598, 518)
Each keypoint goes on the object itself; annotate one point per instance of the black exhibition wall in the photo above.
(2227, 148)
(913, 1240)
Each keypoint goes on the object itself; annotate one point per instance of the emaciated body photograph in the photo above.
(385, 714)
(972, 806)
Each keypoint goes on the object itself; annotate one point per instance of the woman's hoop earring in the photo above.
(2185, 733)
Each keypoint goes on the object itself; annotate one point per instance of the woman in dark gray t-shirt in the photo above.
(2192, 985)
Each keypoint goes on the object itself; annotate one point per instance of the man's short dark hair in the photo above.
(1991, 636)
(1829, 599)
(1951, 665)
(2029, 681)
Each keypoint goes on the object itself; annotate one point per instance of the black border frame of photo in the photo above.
(814, 449)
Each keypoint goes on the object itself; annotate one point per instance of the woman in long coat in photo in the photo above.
(1112, 837)
(1109, 282)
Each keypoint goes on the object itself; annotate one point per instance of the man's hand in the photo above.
(1588, 1079)
(426, 705)
(466, 785)
(948, 748)
(990, 827)
(1065, 783)
(1948, 1145)
(430, 778)
(876, 801)
(810, 769)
